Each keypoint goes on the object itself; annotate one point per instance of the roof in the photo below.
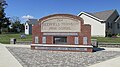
(104, 15)
(32, 21)
(91, 16)
(99, 16)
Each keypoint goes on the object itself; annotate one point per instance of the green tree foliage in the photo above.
(16, 25)
(4, 21)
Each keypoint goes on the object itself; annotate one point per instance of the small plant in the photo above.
(118, 35)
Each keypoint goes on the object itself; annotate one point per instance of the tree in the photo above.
(4, 21)
(16, 25)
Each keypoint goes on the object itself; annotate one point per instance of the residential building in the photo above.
(28, 26)
(104, 23)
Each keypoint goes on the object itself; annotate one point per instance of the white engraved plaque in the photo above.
(43, 40)
(85, 40)
(36, 39)
(76, 40)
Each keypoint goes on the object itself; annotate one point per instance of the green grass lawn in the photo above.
(107, 39)
(5, 38)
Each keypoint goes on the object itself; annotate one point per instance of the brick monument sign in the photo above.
(61, 32)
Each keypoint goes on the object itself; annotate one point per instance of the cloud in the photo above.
(27, 17)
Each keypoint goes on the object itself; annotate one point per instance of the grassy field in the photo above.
(107, 39)
(5, 38)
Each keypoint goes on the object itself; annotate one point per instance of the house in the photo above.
(104, 23)
(28, 26)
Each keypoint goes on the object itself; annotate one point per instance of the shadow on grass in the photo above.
(95, 49)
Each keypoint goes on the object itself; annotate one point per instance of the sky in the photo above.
(25, 9)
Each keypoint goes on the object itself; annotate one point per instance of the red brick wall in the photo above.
(80, 38)
(89, 50)
(85, 32)
(40, 38)
(70, 40)
(49, 39)
(36, 32)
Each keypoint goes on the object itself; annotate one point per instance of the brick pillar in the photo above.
(86, 30)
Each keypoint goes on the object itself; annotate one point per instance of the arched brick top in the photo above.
(64, 15)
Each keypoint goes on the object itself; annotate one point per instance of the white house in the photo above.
(28, 26)
(104, 23)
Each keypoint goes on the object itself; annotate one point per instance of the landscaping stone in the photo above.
(42, 58)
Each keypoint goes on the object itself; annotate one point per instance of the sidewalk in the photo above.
(115, 62)
(17, 45)
(7, 59)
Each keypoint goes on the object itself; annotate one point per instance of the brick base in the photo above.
(63, 48)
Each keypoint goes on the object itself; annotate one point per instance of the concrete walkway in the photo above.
(115, 62)
(17, 45)
(7, 59)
